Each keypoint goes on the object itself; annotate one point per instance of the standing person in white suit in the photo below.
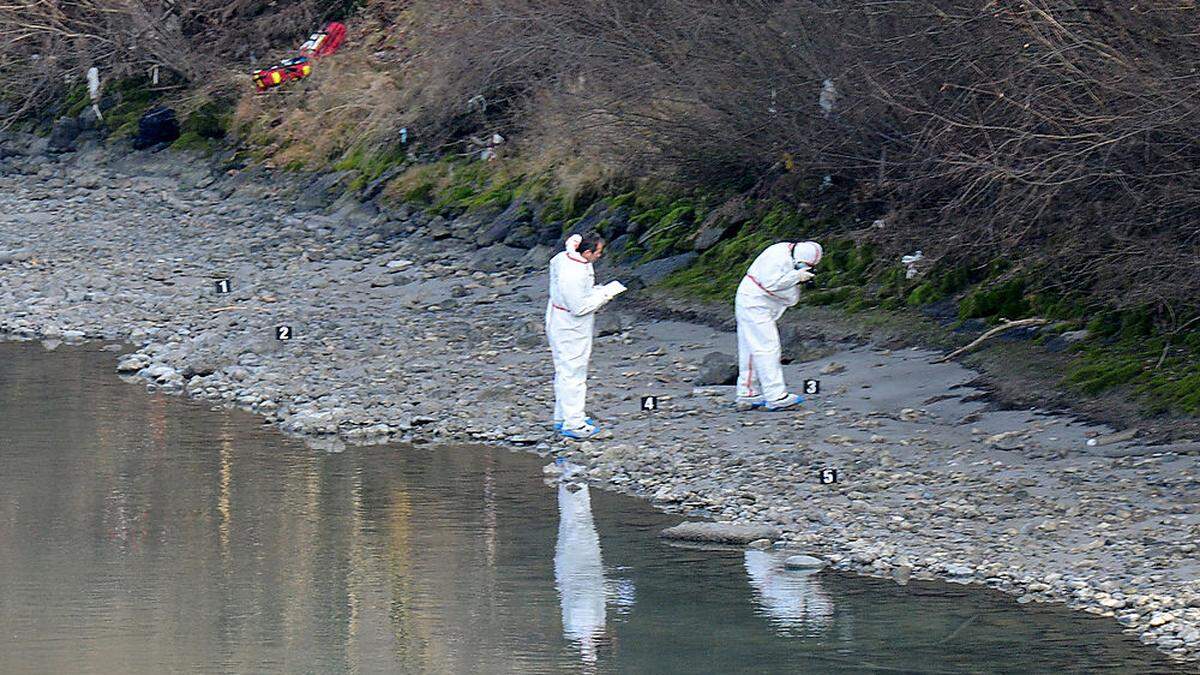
(770, 286)
(570, 316)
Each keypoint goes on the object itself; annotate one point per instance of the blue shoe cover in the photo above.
(583, 432)
(558, 425)
(785, 402)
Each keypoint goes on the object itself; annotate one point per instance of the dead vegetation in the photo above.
(1059, 135)
(47, 46)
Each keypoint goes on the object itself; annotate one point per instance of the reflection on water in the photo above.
(578, 572)
(792, 599)
(145, 534)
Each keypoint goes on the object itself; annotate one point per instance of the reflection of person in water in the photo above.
(578, 571)
(792, 599)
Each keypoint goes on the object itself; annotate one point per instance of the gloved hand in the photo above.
(805, 275)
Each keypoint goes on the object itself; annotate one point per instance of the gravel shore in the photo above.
(401, 330)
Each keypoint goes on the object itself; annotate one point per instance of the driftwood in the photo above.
(1007, 325)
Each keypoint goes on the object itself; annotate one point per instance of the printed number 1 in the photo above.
(223, 286)
(283, 332)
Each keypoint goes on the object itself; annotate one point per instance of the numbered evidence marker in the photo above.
(649, 403)
(223, 286)
(283, 332)
(812, 386)
(828, 476)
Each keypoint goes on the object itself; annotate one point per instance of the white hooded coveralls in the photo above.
(570, 315)
(770, 286)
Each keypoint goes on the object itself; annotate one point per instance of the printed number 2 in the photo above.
(829, 476)
(812, 386)
(283, 332)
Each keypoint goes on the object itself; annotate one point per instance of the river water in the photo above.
(143, 533)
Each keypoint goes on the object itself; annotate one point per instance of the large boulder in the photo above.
(323, 190)
(63, 134)
(612, 323)
(157, 125)
(719, 533)
(724, 219)
(497, 257)
(717, 369)
(657, 270)
(530, 234)
(518, 213)
(539, 256)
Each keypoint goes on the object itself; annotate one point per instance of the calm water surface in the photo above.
(141, 533)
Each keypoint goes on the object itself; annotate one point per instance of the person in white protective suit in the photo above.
(570, 315)
(770, 286)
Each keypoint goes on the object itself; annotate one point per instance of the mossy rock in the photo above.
(1005, 300)
(924, 294)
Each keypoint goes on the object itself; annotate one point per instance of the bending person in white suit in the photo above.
(570, 316)
(770, 286)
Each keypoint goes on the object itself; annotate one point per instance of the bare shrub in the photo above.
(1060, 135)
(46, 47)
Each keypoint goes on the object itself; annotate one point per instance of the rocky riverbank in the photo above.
(403, 329)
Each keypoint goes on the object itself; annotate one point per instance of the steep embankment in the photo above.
(1057, 191)
(405, 330)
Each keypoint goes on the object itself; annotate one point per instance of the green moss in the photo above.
(717, 273)
(1004, 300)
(831, 296)
(210, 120)
(134, 98)
(193, 141)
(77, 100)
(924, 294)
(1132, 363)
(1097, 374)
(668, 226)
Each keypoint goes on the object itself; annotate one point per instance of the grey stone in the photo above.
(538, 257)
(721, 533)
(1073, 336)
(517, 213)
(497, 257)
(323, 190)
(717, 369)
(720, 222)
(657, 270)
(803, 562)
(438, 229)
(608, 323)
(63, 134)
